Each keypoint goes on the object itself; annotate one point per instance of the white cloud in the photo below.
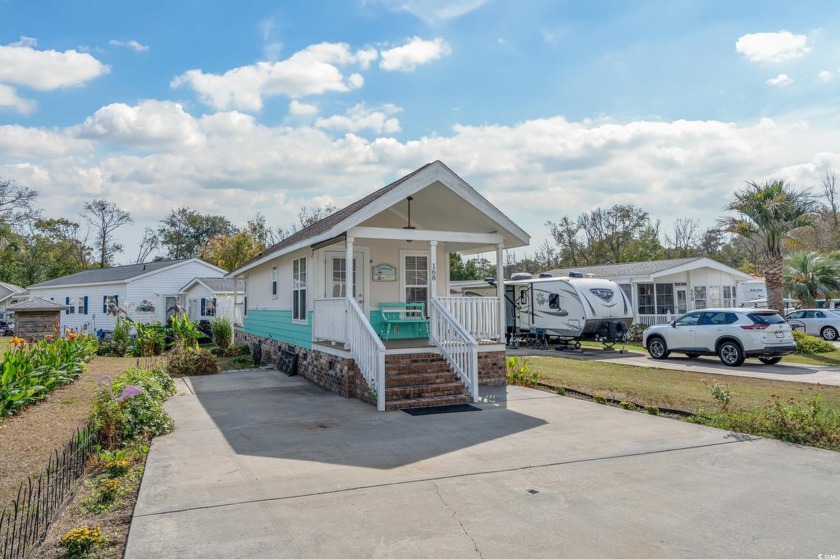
(360, 117)
(302, 109)
(825, 75)
(782, 80)
(132, 44)
(25, 42)
(21, 64)
(434, 11)
(159, 125)
(312, 71)
(9, 99)
(772, 47)
(414, 53)
(535, 171)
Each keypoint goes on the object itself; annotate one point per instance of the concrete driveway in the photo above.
(263, 465)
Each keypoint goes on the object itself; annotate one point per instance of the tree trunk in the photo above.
(773, 281)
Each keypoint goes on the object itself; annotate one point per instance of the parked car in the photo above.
(7, 328)
(731, 334)
(817, 322)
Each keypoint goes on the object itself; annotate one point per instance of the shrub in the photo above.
(721, 393)
(112, 349)
(185, 332)
(652, 410)
(244, 360)
(600, 398)
(634, 333)
(80, 541)
(560, 391)
(519, 372)
(806, 343)
(150, 339)
(627, 405)
(188, 362)
(108, 490)
(222, 332)
(135, 418)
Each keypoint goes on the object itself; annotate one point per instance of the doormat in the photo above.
(434, 410)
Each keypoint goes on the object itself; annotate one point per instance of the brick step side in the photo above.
(424, 391)
(427, 402)
(408, 379)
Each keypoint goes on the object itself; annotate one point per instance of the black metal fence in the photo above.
(25, 520)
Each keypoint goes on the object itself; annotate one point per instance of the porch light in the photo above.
(409, 199)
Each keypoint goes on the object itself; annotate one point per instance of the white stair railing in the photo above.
(478, 315)
(328, 322)
(367, 350)
(458, 347)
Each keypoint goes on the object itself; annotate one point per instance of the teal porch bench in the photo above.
(396, 314)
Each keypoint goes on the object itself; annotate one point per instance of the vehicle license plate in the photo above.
(780, 334)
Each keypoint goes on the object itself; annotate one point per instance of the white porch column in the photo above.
(433, 270)
(348, 286)
(500, 289)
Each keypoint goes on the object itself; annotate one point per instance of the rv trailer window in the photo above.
(554, 301)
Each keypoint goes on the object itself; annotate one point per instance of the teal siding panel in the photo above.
(406, 331)
(278, 325)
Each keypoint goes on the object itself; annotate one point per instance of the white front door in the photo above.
(681, 294)
(336, 280)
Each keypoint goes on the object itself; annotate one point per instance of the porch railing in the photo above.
(651, 319)
(478, 315)
(367, 350)
(456, 344)
(328, 319)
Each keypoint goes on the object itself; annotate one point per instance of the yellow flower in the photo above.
(72, 335)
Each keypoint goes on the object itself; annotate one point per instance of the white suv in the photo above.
(731, 334)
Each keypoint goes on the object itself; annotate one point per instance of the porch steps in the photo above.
(421, 380)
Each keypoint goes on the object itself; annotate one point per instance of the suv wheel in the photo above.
(730, 354)
(829, 333)
(657, 348)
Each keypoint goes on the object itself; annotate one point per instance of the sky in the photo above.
(547, 108)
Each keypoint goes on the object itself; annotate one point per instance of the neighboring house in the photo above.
(208, 298)
(332, 291)
(147, 292)
(9, 295)
(662, 289)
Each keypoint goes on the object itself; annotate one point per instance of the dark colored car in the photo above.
(7, 328)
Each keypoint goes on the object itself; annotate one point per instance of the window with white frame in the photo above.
(646, 299)
(700, 297)
(299, 289)
(714, 300)
(728, 296)
(416, 279)
(208, 306)
(83, 301)
(71, 305)
(274, 282)
(664, 298)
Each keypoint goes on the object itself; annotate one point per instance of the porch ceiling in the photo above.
(437, 208)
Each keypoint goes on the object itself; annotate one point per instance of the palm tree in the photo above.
(767, 215)
(808, 275)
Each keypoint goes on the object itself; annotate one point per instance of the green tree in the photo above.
(810, 275)
(184, 231)
(229, 252)
(767, 215)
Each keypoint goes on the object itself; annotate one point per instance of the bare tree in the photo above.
(149, 244)
(17, 204)
(685, 238)
(105, 218)
(830, 192)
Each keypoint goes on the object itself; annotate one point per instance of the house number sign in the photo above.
(434, 272)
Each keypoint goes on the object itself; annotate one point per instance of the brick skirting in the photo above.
(341, 375)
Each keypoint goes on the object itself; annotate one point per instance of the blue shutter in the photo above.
(203, 305)
(105, 304)
(117, 300)
(86, 299)
(67, 302)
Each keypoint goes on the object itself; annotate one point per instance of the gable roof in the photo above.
(339, 222)
(37, 304)
(217, 285)
(12, 287)
(652, 268)
(117, 274)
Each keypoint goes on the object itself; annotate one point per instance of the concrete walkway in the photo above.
(263, 465)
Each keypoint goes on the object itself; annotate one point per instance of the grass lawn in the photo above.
(831, 359)
(666, 388)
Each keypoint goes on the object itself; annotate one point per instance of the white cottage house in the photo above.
(384, 329)
(662, 289)
(147, 292)
(208, 298)
(10, 294)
